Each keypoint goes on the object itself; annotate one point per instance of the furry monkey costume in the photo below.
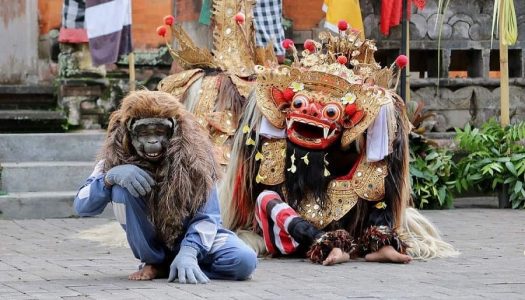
(157, 170)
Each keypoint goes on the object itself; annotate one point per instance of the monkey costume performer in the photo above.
(319, 166)
(157, 171)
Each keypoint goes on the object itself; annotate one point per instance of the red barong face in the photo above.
(313, 123)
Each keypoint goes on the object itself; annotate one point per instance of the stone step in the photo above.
(44, 176)
(41, 205)
(28, 120)
(33, 147)
(27, 97)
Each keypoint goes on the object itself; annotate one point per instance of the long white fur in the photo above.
(110, 235)
(192, 95)
(423, 238)
(252, 118)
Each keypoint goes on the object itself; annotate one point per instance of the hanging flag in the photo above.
(72, 29)
(392, 13)
(108, 24)
(348, 10)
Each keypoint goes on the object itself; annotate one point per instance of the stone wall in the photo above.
(89, 94)
(19, 35)
(466, 53)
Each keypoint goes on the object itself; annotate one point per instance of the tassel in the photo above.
(258, 156)
(259, 178)
(326, 172)
(245, 129)
(380, 205)
(250, 142)
(305, 159)
(293, 167)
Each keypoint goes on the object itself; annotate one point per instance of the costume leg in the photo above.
(131, 214)
(283, 229)
(229, 258)
(380, 232)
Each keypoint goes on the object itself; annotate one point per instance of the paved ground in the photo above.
(42, 259)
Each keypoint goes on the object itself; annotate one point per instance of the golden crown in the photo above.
(346, 55)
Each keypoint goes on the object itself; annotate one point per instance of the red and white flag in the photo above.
(108, 24)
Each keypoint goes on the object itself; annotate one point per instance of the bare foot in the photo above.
(148, 272)
(336, 256)
(388, 254)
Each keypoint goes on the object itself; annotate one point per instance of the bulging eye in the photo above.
(299, 102)
(331, 112)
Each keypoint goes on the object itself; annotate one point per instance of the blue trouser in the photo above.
(228, 258)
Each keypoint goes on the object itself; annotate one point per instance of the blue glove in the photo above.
(185, 267)
(137, 181)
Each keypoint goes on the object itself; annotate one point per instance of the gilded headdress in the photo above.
(338, 71)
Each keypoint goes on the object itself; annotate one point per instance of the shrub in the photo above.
(431, 169)
(494, 158)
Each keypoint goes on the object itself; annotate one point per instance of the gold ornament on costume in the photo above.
(367, 183)
(179, 83)
(271, 169)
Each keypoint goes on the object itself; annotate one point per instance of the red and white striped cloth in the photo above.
(108, 24)
(274, 216)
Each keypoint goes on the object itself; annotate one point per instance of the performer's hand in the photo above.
(186, 267)
(336, 256)
(137, 181)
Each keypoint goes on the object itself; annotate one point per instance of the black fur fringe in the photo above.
(376, 237)
(320, 250)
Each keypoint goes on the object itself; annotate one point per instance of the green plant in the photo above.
(431, 168)
(495, 157)
(431, 176)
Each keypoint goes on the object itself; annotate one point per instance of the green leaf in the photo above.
(509, 180)
(431, 156)
(417, 173)
(442, 194)
(518, 187)
(503, 159)
(464, 183)
(511, 168)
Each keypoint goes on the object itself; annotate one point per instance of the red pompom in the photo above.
(401, 61)
(342, 25)
(239, 18)
(309, 45)
(342, 60)
(168, 20)
(350, 109)
(287, 44)
(161, 30)
(288, 94)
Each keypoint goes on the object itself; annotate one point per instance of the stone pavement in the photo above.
(42, 259)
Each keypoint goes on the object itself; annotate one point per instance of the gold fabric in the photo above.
(208, 96)
(177, 84)
(271, 169)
